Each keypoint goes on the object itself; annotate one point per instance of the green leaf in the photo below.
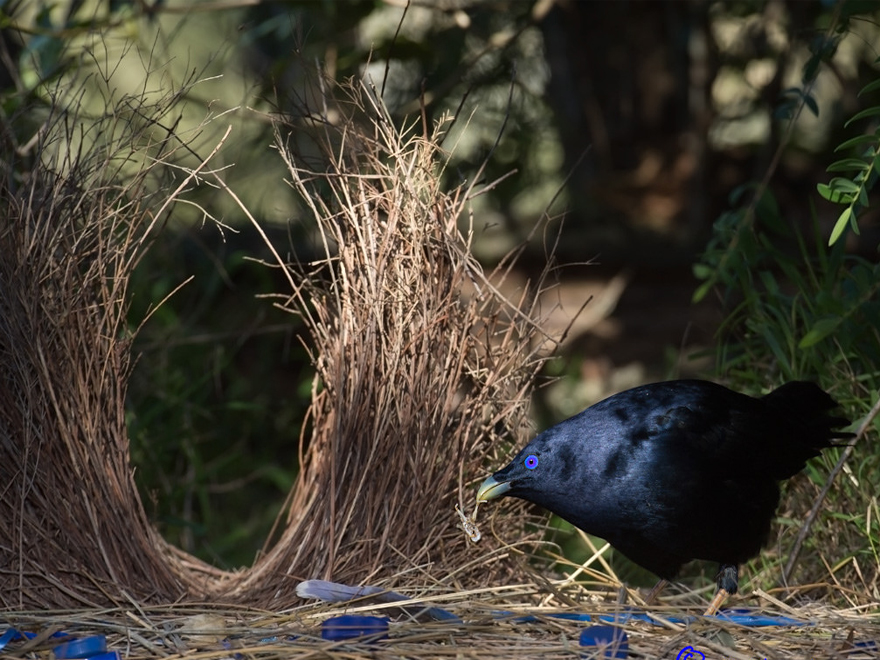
(737, 193)
(867, 112)
(840, 184)
(833, 196)
(811, 67)
(702, 271)
(848, 165)
(769, 282)
(766, 206)
(870, 87)
(774, 346)
(840, 225)
(810, 102)
(703, 289)
(856, 141)
(784, 110)
(774, 222)
(821, 329)
(854, 222)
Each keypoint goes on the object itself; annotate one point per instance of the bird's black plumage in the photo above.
(675, 471)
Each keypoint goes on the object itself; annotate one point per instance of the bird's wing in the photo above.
(772, 436)
(707, 432)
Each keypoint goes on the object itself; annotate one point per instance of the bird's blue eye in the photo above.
(531, 462)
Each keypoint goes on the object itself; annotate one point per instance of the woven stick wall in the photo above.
(73, 219)
(423, 370)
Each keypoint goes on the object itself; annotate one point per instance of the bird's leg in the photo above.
(720, 596)
(728, 583)
(655, 591)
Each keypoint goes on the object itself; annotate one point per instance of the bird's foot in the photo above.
(728, 583)
(728, 578)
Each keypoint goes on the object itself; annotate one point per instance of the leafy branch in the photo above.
(853, 191)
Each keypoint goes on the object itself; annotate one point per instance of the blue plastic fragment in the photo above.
(13, 635)
(439, 614)
(741, 616)
(86, 647)
(353, 626)
(612, 641)
(748, 617)
(10, 635)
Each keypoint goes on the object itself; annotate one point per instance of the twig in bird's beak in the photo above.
(469, 523)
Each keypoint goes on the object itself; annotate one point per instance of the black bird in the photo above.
(675, 471)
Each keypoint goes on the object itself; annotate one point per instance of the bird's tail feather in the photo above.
(806, 428)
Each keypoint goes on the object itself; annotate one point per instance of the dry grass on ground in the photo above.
(202, 632)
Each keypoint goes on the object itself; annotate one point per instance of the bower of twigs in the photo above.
(423, 368)
(424, 371)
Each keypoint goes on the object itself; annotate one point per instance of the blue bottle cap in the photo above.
(81, 648)
(611, 640)
(352, 626)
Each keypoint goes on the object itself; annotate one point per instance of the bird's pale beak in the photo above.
(492, 489)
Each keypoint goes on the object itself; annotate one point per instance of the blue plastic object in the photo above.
(11, 635)
(81, 648)
(742, 616)
(745, 616)
(353, 626)
(612, 641)
(870, 645)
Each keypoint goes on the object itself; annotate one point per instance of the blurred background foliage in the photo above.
(682, 142)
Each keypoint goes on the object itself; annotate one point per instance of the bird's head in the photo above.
(538, 472)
